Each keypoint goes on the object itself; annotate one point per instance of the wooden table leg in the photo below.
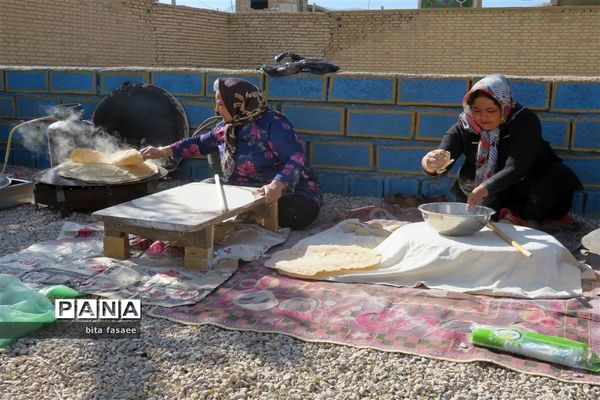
(271, 221)
(201, 255)
(268, 215)
(116, 242)
(116, 245)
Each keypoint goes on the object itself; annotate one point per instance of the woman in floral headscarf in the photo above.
(507, 165)
(257, 147)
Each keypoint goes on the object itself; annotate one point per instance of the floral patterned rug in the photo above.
(154, 273)
(429, 323)
(408, 320)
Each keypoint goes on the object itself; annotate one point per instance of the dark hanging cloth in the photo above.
(289, 63)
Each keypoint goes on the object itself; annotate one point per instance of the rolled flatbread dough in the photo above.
(317, 261)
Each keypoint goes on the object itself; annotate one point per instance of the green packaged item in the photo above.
(553, 349)
(22, 309)
(59, 292)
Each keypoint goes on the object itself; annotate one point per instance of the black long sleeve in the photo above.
(520, 150)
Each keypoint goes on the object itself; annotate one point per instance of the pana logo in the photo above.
(86, 309)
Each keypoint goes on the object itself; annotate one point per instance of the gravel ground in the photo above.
(173, 361)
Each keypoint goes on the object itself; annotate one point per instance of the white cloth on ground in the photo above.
(481, 263)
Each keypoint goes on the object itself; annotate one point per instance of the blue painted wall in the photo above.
(180, 83)
(73, 81)
(446, 92)
(364, 133)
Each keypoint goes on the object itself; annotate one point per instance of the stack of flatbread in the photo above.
(320, 261)
(99, 167)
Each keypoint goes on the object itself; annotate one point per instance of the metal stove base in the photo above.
(89, 198)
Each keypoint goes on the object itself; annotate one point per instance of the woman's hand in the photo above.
(273, 191)
(151, 153)
(477, 196)
(433, 161)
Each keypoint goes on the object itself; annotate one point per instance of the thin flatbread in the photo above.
(591, 241)
(106, 173)
(119, 158)
(88, 156)
(93, 166)
(319, 261)
(447, 161)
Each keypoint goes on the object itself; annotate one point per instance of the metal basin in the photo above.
(16, 193)
(4, 181)
(453, 219)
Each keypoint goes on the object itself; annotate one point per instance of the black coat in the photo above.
(522, 151)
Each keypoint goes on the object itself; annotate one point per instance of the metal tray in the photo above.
(4, 181)
(18, 192)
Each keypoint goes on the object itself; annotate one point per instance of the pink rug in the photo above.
(414, 321)
(427, 323)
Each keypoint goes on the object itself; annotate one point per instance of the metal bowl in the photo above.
(453, 219)
(4, 181)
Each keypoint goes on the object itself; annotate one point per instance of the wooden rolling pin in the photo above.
(221, 194)
(508, 239)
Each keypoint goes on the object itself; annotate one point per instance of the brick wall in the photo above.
(524, 41)
(73, 32)
(245, 5)
(520, 41)
(111, 33)
(364, 133)
(185, 37)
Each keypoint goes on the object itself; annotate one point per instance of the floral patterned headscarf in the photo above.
(245, 103)
(498, 88)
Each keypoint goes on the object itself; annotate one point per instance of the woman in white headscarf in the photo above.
(507, 164)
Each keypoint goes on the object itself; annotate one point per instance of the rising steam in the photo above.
(61, 137)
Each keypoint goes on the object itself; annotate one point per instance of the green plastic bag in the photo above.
(22, 309)
(59, 292)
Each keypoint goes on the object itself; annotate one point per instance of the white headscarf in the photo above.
(498, 88)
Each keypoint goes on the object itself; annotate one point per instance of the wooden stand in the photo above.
(116, 246)
(268, 216)
(171, 216)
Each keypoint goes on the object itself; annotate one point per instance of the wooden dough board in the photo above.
(186, 214)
